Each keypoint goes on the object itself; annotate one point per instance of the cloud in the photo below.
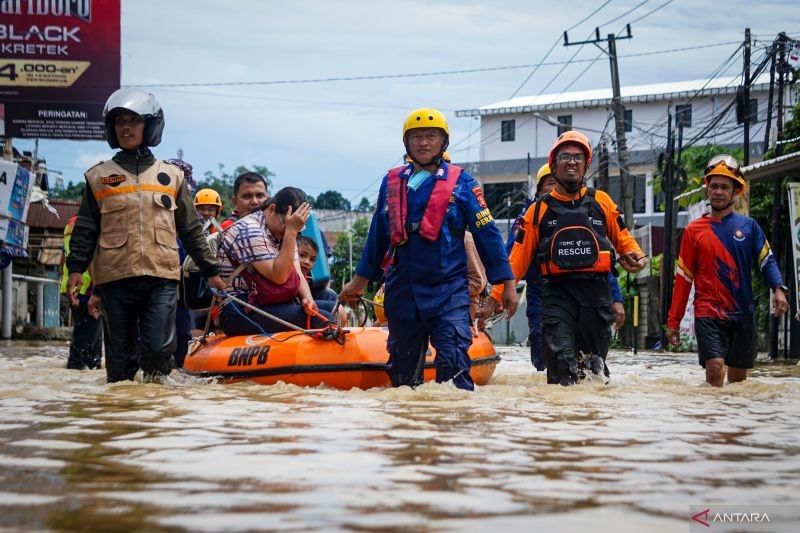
(86, 160)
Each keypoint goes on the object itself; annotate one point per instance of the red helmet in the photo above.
(574, 137)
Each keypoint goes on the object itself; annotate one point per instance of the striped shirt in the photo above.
(247, 241)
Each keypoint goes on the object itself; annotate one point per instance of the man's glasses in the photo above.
(566, 158)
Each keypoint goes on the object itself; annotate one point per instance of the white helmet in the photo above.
(138, 102)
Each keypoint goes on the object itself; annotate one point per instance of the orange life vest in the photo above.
(396, 200)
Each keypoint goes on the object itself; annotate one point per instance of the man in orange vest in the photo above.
(416, 241)
(571, 234)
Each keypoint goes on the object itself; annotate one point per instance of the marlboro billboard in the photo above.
(59, 61)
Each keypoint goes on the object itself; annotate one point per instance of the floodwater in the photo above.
(634, 455)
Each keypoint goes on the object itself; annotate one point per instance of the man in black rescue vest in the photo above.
(572, 234)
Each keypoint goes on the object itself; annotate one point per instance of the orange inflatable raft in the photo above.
(294, 357)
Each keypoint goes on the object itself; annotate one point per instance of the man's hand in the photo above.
(216, 282)
(95, 307)
(781, 302)
(619, 314)
(673, 336)
(510, 297)
(295, 221)
(353, 289)
(489, 308)
(74, 283)
(633, 262)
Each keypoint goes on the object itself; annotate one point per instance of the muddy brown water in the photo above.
(634, 455)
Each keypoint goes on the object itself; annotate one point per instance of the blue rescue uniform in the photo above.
(426, 282)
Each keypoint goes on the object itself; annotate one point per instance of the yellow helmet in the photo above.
(380, 315)
(544, 171)
(726, 166)
(425, 117)
(207, 197)
(446, 157)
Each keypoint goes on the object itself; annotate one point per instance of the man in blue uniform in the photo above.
(416, 241)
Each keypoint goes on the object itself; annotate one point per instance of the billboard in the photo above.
(59, 61)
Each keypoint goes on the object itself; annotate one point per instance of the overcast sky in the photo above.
(343, 135)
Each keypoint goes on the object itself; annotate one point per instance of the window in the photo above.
(566, 123)
(498, 194)
(639, 192)
(507, 132)
(753, 110)
(628, 120)
(683, 113)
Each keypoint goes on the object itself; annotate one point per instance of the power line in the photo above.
(587, 17)
(628, 12)
(651, 12)
(418, 74)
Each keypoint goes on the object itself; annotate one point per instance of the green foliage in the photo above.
(340, 268)
(693, 164)
(222, 182)
(332, 200)
(73, 191)
(364, 206)
(687, 344)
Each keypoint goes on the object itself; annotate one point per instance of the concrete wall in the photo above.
(535, 136)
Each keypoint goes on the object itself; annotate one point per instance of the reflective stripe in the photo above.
(129, 189)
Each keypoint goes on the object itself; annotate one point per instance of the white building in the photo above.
(513, 130)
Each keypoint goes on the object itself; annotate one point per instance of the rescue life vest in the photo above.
(435, 210)
(572, 237)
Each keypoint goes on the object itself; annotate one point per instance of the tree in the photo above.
(73, 191)
(332, 200)
(693, 163)
(222, 182)
(364, 206)
(340, 268)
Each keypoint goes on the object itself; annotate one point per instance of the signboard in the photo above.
(14, 236)
(59, 61)
(16, 185)
(794, 224)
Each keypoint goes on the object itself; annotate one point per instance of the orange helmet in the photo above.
(207, 197)
(726, 166)
(574, 137)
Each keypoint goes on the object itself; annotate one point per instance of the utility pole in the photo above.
(667, 259)
(530, 193)
(7, 303)
(602, 167)
(774, 322)
(626, 181)
(747, 46)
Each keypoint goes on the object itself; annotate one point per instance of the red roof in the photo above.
(40, 217)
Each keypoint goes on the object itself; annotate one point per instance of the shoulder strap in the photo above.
(536, 209)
